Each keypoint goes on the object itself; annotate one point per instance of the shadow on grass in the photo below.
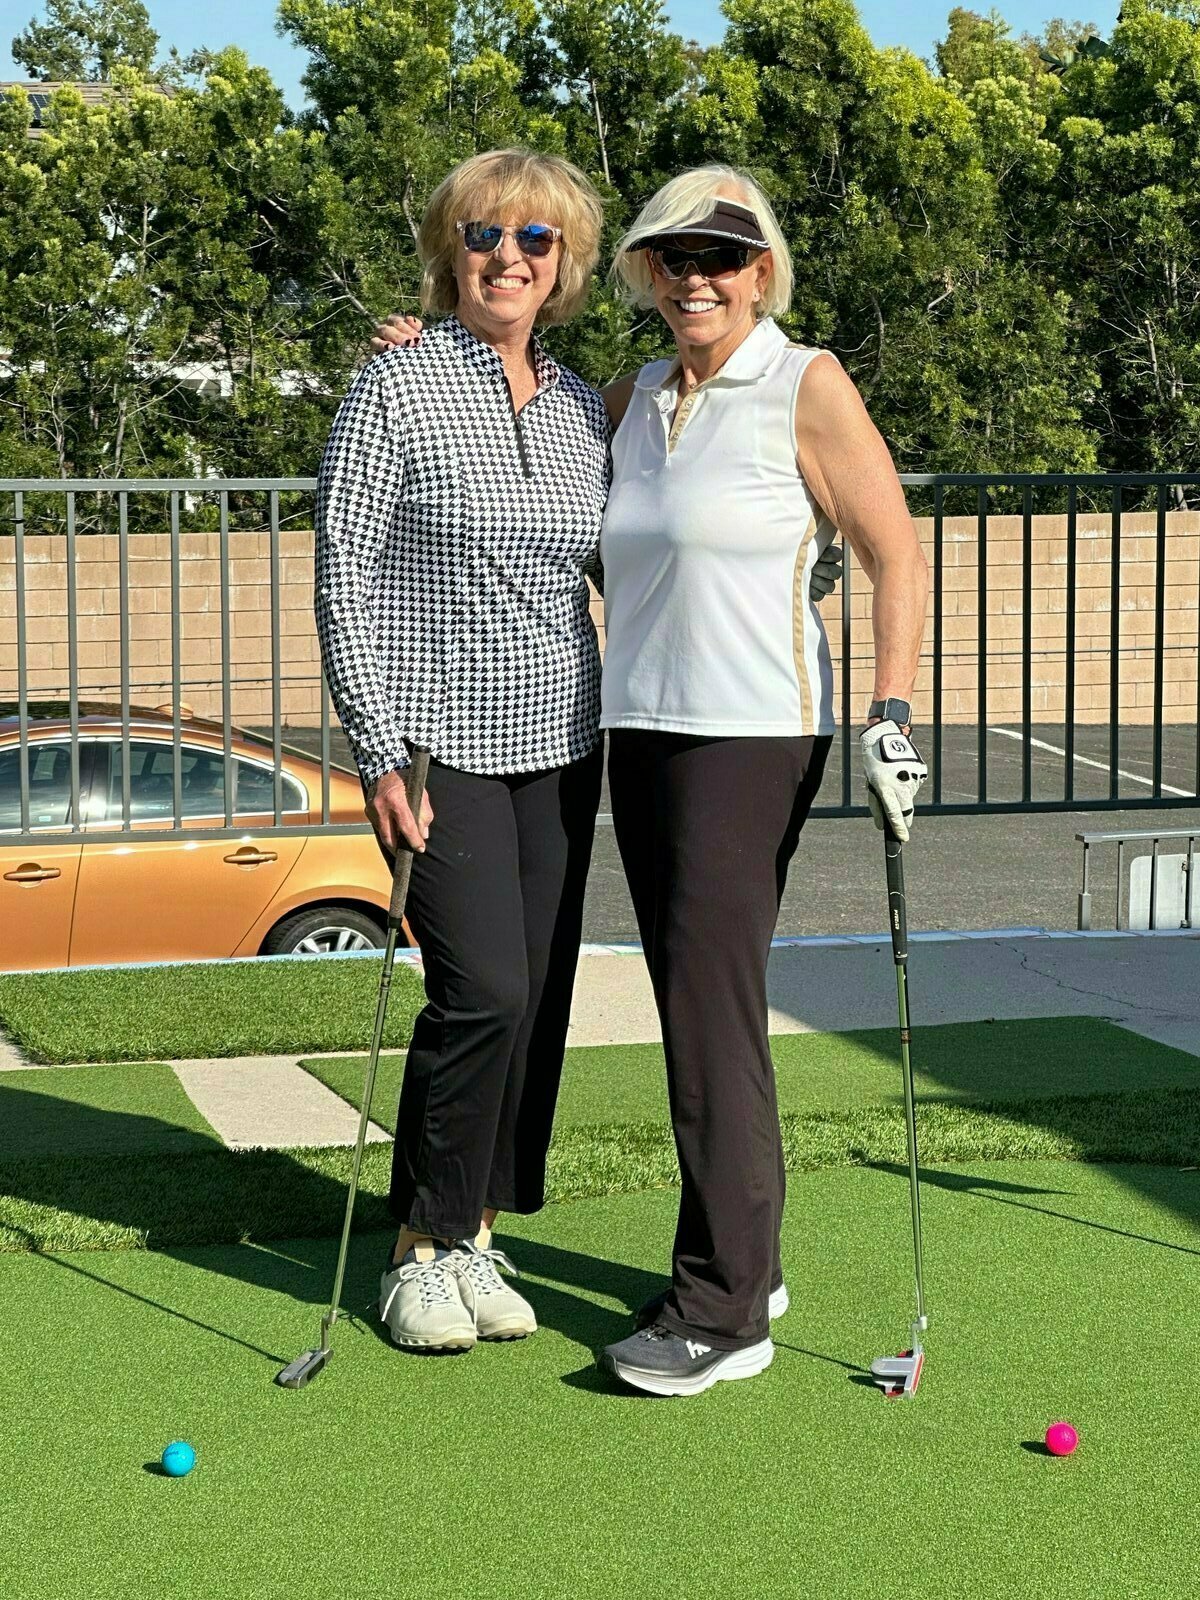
(1175, 1190)
(152, 1185)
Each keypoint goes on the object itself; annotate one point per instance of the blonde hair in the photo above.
(513, 186)
(681, 204)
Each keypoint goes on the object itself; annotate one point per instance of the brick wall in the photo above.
(250, 621)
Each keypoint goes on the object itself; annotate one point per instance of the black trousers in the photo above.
(496, 904)
(706, 829)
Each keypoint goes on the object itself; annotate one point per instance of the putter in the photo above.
(305, 1368)
(898, 1376)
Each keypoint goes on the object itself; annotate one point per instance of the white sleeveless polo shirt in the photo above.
(708, 542)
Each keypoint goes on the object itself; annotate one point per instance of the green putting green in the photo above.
(199, 1009)
(998, 1062)
(517, 1473)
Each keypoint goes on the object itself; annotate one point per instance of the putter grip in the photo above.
(414, 789)
(897, 913)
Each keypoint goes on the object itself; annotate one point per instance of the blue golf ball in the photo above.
(178, 1459)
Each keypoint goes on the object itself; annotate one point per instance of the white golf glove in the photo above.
(827, 569)
(895, 772)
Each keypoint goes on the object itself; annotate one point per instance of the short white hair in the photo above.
(683, 203)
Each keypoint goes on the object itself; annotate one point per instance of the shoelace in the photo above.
(432, 1279)
(480, 1268)
(656, 1332)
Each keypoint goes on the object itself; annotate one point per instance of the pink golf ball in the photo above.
(1061, 1439)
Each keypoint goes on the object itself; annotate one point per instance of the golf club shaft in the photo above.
(402, 871)
(898, 925)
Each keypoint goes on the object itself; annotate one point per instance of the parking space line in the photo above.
(1086, 761)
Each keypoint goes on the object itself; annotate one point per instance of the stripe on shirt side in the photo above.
(808, 718)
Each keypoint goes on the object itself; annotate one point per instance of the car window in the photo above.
(152, 781)
(49, 786)
(202, 775)
(254, 788)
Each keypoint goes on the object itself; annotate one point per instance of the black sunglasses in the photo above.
(533, 238)
(717, 261)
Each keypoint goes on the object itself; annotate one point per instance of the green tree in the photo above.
(881, 178)
(982, 47)
(1128, 125)
(620, 67)
(86, 39)
(401, 92)
(146, 242)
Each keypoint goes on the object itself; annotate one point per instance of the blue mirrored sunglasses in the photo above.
(533, 238)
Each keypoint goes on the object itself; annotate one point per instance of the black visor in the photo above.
(729, 222)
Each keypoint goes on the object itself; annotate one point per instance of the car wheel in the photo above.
(324, 931)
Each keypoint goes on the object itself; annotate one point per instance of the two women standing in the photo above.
(451, 575)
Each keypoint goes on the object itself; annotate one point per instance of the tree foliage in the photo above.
(86, 39)
(998, 245)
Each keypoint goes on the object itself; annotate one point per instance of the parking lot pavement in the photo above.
(970, 872)
(961, 872)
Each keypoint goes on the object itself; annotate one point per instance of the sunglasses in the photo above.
(533, 238)
(717, 261)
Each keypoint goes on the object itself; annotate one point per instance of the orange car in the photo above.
(155, 898)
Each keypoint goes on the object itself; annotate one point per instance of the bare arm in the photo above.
(616, 396)
(846, 464)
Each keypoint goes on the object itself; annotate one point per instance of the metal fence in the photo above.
(986, 645)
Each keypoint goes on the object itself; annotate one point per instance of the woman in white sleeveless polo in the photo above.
(733, 464)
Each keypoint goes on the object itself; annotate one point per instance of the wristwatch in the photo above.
(890, 710)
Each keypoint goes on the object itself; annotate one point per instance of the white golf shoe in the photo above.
(500, 1312)
(427, 1302)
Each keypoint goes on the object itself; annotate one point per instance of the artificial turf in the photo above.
(518, 1473)
(1001, 1062)
(107, 1202)
(98, 1110)
(197, 1009)
(66, 1180)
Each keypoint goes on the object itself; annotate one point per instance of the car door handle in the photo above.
(30, 872)
(251, 858)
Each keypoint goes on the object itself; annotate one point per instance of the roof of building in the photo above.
(93, 93)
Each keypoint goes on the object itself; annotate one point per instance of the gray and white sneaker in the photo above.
(426, 1302)
(500, 1312)
(659, 1361)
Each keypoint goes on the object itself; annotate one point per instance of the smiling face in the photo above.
(500, 295)
(711, 314)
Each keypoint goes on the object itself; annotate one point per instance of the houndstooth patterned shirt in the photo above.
(453, 538)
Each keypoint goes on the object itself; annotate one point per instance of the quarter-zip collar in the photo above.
(487, 358)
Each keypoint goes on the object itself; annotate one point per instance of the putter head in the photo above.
(899, 1376)
(304, 1369)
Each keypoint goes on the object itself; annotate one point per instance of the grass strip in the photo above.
(88, 1110)
(229, 1196)
(993, 1062)
(196, 1009)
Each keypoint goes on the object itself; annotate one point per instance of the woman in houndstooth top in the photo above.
(458, 511)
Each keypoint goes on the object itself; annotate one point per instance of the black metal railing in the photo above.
(995, 750)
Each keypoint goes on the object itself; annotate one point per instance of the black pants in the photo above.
(496, 904)
(706, 829)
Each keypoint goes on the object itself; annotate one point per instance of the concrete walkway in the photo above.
(1149, 983)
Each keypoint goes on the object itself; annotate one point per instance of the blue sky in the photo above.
(251, 24)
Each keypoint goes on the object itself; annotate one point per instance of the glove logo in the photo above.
(896, 747)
